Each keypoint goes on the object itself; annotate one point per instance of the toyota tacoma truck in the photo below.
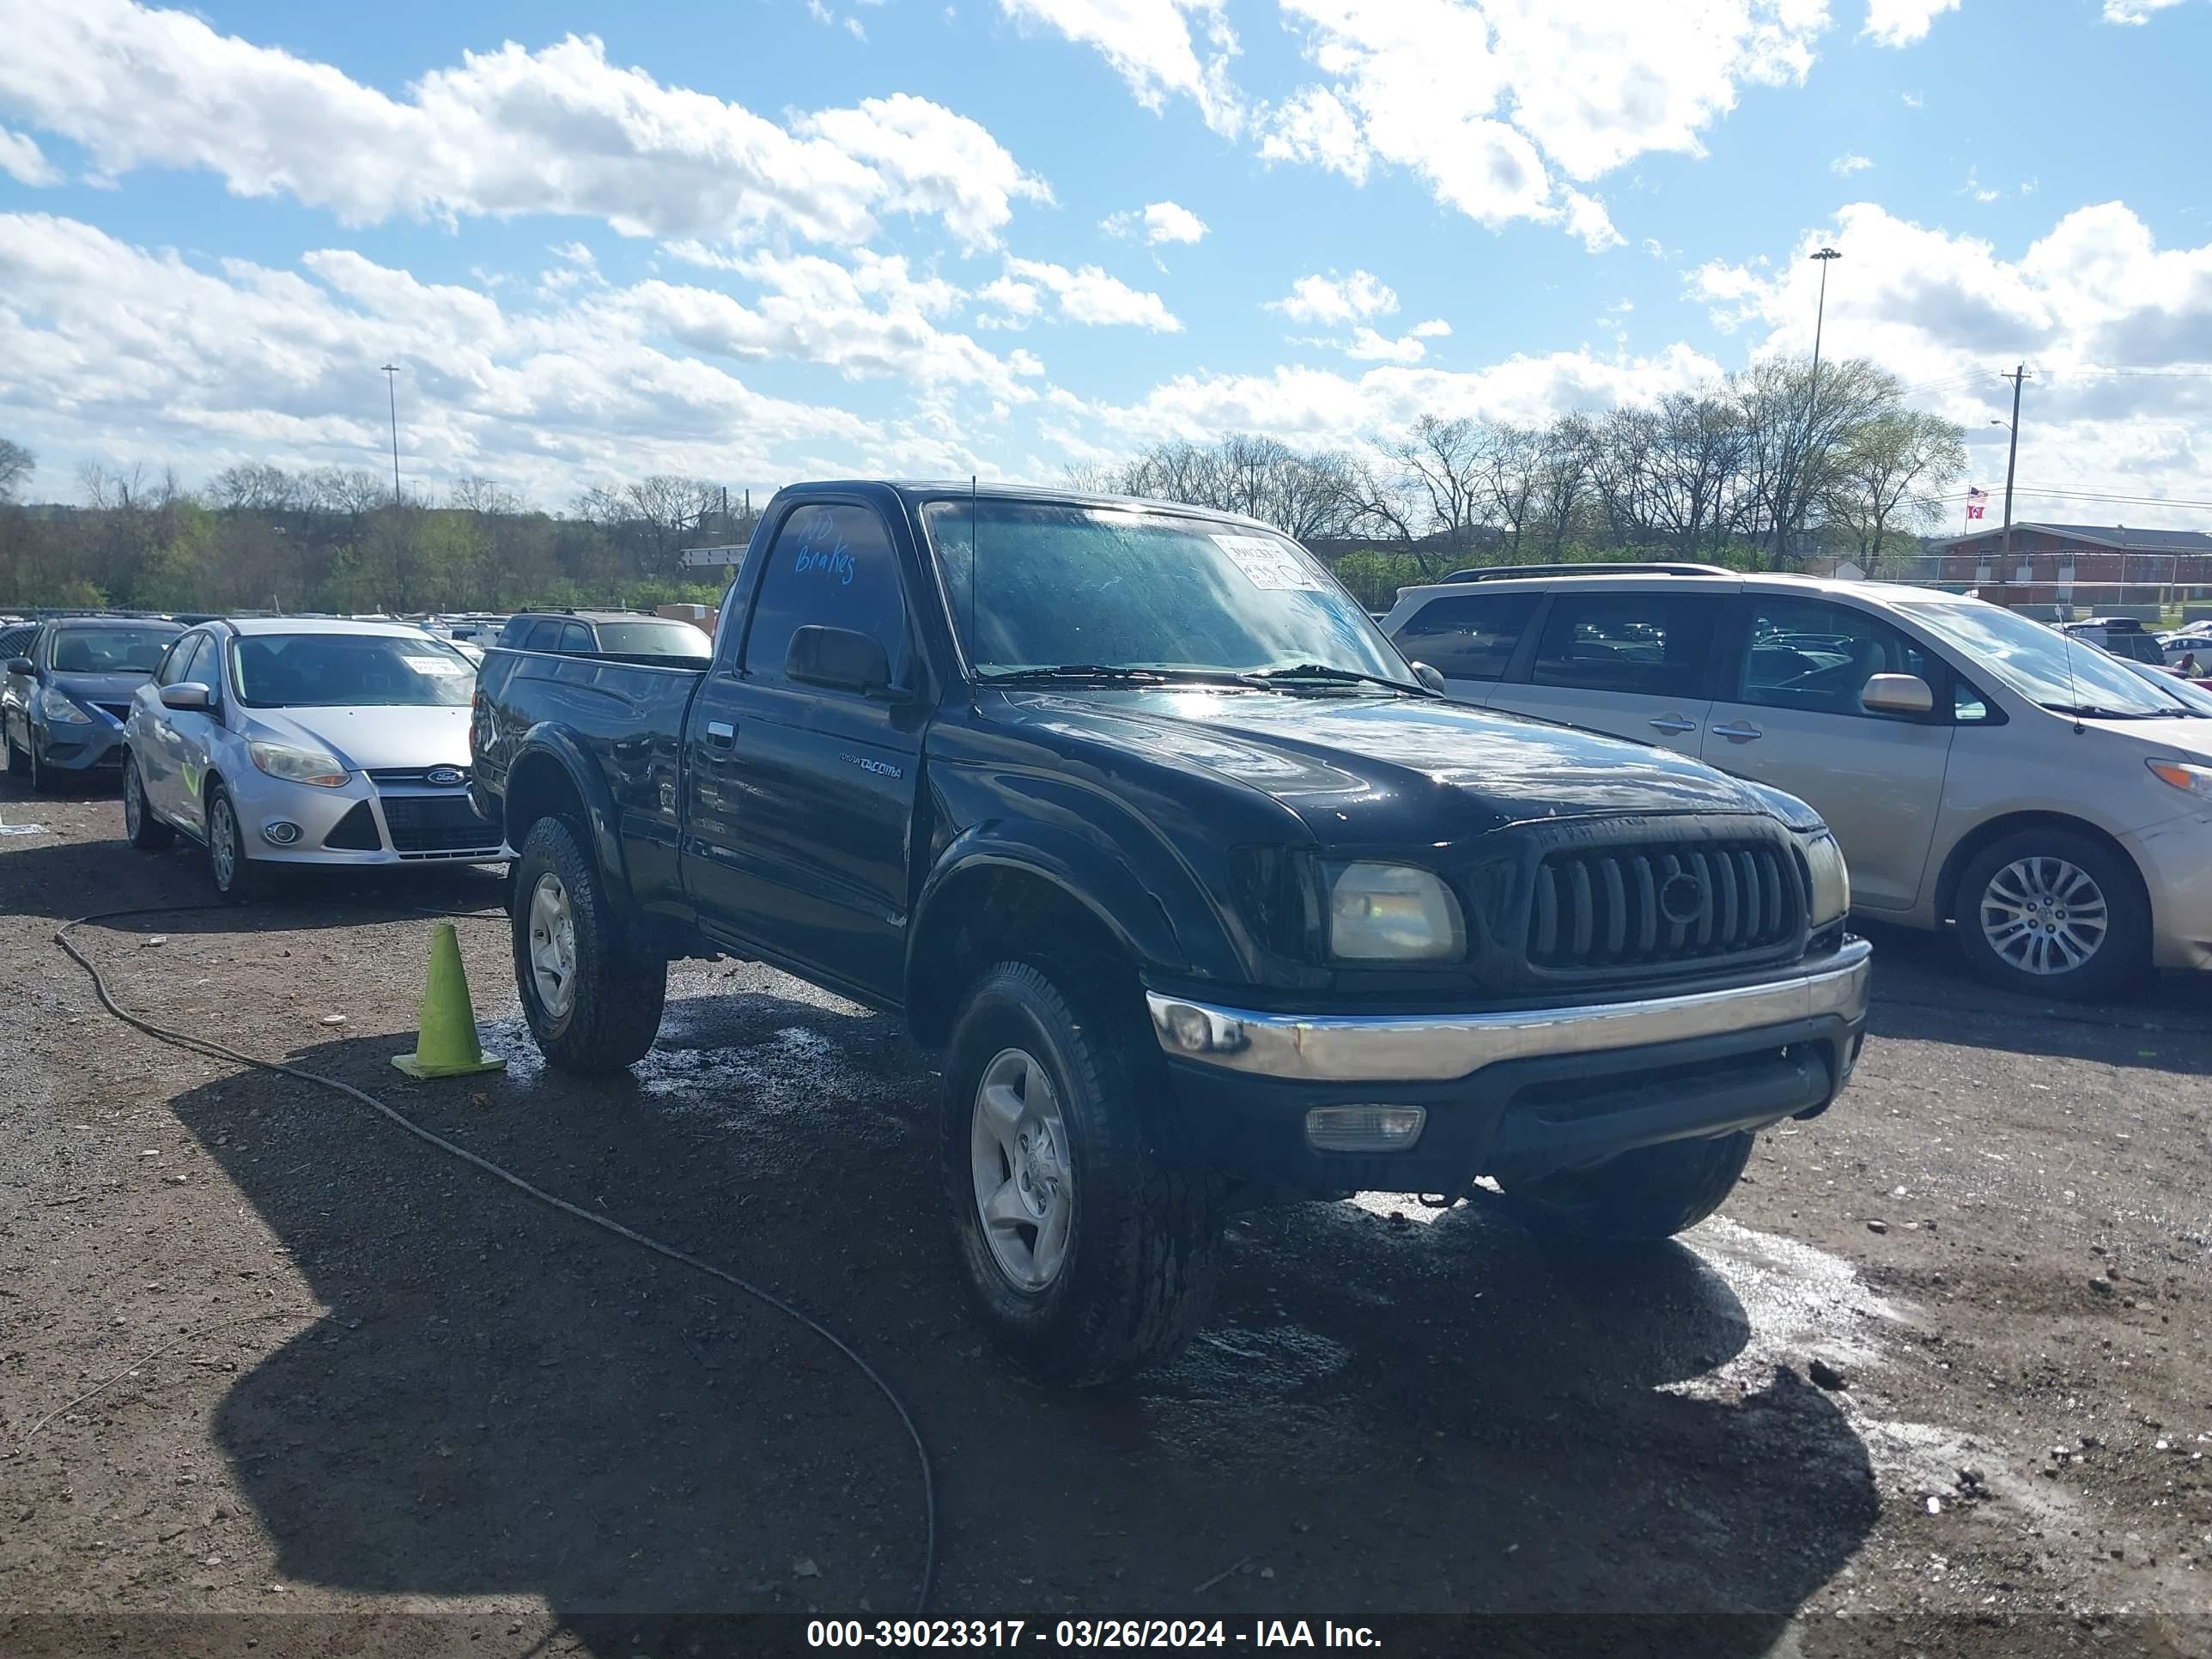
(1206, 893)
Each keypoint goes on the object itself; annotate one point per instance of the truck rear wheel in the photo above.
(1652, 1192)
(593, 999)
(1087, 1257)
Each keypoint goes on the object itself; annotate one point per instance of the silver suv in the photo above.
(1977, 766)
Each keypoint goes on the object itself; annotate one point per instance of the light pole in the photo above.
(390, 372)
(1825, 257)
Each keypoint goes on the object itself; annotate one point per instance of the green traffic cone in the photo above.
(446, 1044)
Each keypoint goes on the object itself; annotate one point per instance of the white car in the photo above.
(290, 740)
(2189, 641)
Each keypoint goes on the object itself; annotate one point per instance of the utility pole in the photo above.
(2012, 457)
(1825, 257)
(390, 372)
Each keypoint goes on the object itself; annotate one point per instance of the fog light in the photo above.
(1365, 1129)
(280, 832)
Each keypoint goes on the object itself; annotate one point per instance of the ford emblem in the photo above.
(444, 776)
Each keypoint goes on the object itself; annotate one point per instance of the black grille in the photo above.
(1618, 906)
(120, 712)
(356, 832)
(416, 776)
(437, 824)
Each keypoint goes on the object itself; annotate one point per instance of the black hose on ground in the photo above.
(215, 1050)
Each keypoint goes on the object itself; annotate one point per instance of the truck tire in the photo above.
(1641, 1196)
(591, 998)
(2052, 913)
(1087, 1257)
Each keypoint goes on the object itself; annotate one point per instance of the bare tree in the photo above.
(16, 465)
(1893, 468)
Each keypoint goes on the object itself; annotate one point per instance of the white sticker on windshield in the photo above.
(435, 664)
(1268, 563)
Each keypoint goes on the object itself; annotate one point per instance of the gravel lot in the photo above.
(370, 1400)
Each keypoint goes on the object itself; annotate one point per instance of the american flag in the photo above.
(1977, 499)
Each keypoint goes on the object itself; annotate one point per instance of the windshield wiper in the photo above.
(2091, 711)
(1119, 673)
(1315, 671)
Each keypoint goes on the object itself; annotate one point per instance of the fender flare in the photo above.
(549, 742)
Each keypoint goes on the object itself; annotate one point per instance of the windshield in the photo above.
(339, 670)
(653, 639)
(2043, 665)
(1056, 583)
(109, 650)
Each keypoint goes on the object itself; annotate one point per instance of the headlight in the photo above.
(298, 765)
(2191, 779)
(56, 706)
(1832, 879)
(1391, 912)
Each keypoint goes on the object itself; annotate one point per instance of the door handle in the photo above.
(1739, 733)
(720, 732)
(1674, 723)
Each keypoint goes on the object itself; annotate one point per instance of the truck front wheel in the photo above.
(1087, 1256)
(593, 999)
(1652, 1192)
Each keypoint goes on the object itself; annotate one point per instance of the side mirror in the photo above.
(21, 665)
(1428, 677)
(186, 696)
(1896, 693)
(839, 659)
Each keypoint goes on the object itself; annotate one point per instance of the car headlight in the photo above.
(1391, 912)
(2190, 780)
(298, 765)
(1831, 878)
(56, 706)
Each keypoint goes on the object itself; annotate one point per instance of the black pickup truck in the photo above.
(1208, 895)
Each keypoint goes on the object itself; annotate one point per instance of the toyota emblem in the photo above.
(444, 776)
(1682, 899)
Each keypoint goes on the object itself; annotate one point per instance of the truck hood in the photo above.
(1381, 770)
(373, 738)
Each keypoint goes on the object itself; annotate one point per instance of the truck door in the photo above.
(798, 798)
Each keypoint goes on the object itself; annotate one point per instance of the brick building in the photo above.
(2092, 569)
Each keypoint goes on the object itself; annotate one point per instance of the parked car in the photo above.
(2122, 636)
(2188, 642)
(604, 632)
(66, 695)
(1207, 895)
(1978, 769)
(16, 639)
(279, 741)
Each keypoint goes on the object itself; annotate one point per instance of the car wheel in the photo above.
(237, 878)
(592, 997)
(1638, 1197)
(19, 762)
(1087, 1258)
(148, 833)
(42, 777)
(2052, 913)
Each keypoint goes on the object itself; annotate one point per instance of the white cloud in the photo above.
(1903, 23)
(558, 131)
(21, 160)
(2134, 11)
(576, 254)
(1845, 164)
(1945, 311)
(1367, 346)
(1087, 296)
(1913, 101)
(1158, 222)
(1331, 299)
(1975, 188)
(1150, 44)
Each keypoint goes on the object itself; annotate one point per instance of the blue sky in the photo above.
(768, 238)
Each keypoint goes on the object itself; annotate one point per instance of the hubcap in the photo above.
(552, 945)
(2043, 916)
(1024, 1179)
(222, 842)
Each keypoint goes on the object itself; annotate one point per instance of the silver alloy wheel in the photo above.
(553, 945)
(2043, 916)
(1024, 1173)
(134, 804)
(223, 850)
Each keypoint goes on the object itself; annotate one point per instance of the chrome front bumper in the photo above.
(1437, 1047)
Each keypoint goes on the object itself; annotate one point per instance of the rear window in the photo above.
(653, 639)
(1641, 644)
(1467, 638)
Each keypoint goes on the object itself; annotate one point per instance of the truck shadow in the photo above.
(1383, 1418)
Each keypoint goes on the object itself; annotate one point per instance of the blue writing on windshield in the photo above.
(818, 552)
